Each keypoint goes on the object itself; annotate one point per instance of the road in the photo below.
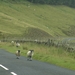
(9, 65)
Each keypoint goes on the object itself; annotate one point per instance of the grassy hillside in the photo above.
(24, 18)
(38, 21)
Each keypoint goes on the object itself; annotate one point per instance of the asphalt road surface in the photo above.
(9, 65)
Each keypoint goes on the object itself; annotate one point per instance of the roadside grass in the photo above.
(52, 55)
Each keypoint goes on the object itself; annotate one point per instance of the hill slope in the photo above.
(24, 18)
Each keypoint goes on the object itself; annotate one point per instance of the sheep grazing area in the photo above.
(50, 54)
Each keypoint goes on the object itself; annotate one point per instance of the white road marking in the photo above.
(13, 73)
(4, 67)
(7, 69)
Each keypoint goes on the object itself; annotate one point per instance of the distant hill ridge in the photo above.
(70, 3)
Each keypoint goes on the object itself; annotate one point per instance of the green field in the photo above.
(30, 20)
